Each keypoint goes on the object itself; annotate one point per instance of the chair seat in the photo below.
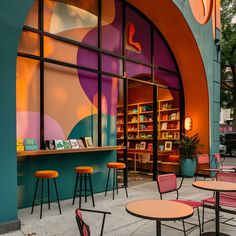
(193, 204)
(224, 201)
(84, 169)
(47, 174)
(116, 165)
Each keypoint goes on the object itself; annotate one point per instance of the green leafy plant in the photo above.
(189, 146)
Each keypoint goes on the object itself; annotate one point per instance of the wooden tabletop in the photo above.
(216, 186)
(154, 209)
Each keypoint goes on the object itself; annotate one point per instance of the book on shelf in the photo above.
(80, 143)
(88, 142)
(164, 125)
(66, 144)
(149, 147)
(49, 144)
(20, 145)
(74, 144)
(142, 145)
(30, 144)
(59, 144)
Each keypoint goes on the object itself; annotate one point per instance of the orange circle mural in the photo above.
(202, 10)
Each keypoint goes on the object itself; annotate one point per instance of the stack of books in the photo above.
(20, 145)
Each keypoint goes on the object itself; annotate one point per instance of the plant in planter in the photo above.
(188, 153)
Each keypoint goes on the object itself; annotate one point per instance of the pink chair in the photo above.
(201, 160)
(83, 227)
(227, 199)
(168, 183)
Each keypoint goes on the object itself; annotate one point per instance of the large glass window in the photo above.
(76, 56)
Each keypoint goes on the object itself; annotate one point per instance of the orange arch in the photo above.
(176, 31)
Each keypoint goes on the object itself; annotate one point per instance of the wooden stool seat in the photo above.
(116, 165)
(46, 174)
(84, 169)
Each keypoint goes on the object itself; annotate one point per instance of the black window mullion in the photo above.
(125, 93)
(41, 28)
(99, 74)
(155, 98)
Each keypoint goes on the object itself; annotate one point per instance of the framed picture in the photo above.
(165, 135)
(176, 135)
(142, 145)
(89, 142)
(137, 145)
(168, 146)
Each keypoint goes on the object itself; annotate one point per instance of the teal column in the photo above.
(12, 17)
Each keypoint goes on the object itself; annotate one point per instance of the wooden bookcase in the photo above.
(140, 127)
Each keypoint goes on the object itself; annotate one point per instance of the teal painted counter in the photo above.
(64, 163)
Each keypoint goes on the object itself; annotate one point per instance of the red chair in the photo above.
(83, 227)
(168, 183)
(227, 199)
(203, 159)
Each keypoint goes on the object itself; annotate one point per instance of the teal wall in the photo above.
(204, 38)
(12, 16)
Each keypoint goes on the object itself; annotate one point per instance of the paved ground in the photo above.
(120, 223)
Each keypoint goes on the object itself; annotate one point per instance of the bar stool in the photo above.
(45, 175)
(115, 166)
(83, 173)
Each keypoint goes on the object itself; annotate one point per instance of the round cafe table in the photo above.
(217, 186)
(158, 210)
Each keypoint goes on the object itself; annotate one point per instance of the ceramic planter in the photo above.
(188, 167)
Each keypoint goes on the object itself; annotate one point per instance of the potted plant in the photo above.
(188, 153)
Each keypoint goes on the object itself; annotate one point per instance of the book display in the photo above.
(140, 128)
(30, 144)
(20, 145)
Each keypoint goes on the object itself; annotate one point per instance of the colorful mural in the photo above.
(71, 96)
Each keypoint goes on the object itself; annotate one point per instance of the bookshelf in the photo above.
(140, 121)
(140, 127)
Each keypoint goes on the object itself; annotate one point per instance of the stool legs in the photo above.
(80, 178)
(108, 176)
(76, 183)
(35, 192)
(55, 183)
(42, 194)
(41, 207)
(80, 191)
(48, 196)
(91, 187)
(115, 182)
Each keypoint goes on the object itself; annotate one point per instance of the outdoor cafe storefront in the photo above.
(102, 69)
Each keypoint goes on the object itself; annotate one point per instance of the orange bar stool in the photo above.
(83, 174)
(45, 175)
(115, 166)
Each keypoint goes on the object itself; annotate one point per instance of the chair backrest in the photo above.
(203, 159)
(83, 227)
(166, 183)
(227, 177)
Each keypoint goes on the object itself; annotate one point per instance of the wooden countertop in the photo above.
(154, 209)
(64, 151)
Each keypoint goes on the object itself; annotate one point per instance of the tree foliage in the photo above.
(228, 55)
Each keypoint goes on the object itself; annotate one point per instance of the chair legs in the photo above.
(203, 212)
(199, 221)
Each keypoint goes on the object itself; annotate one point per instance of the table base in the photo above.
(214, 234)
